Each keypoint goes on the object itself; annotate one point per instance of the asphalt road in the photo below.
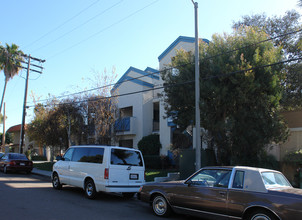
(32, 197)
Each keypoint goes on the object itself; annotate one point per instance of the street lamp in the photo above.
(197, 93)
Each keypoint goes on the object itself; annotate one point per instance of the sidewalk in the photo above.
(41, 172)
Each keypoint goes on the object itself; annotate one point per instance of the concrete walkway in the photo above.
(41, 172)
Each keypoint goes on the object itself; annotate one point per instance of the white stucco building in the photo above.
(141, 111)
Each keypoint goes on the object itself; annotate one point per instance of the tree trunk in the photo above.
(4, 89)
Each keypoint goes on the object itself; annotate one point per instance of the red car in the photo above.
(15, 162)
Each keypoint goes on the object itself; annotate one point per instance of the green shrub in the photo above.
(152, 161)
(39, 158)
(149, 145)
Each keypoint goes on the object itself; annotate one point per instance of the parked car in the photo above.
(15, 162)
(227, 193)
(100, 168)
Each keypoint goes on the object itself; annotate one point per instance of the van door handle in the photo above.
(129, 168)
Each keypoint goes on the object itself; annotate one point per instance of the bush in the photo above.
(152, 161)
(149, 145)
(38, 158)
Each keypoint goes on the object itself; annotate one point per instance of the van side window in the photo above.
(126, 157)
(79, 153)
(95, 155)
(88, 155)
(68, 154)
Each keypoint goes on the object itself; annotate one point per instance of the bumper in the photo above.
(117, 189)
(19, 168)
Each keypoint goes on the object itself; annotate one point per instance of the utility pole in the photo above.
(25, 95)
(197, 93)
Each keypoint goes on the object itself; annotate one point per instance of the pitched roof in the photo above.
(179, 39)
(15, 128)
(137, 80)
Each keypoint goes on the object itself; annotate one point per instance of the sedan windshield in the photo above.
(273, 180)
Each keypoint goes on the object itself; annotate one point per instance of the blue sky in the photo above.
(76, 37)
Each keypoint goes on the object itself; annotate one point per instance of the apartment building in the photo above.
(140, 110)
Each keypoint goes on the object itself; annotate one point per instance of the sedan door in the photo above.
(204, 193)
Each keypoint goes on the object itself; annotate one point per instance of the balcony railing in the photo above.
(124, 126)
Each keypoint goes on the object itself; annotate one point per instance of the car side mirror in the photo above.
(59, 158)
(189, 182)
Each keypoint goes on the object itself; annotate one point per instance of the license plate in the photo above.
(133, 176)
(22, 164)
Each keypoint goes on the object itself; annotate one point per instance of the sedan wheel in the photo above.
(90, 189)
(261, 215)
(160, 206)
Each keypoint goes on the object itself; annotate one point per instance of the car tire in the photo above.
(90, 190)
(56, 181)
(5, 170)
(128, 195)
(261, 214)
(160, 206)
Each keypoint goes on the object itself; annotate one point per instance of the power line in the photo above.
(104, 29)
(77, 27)
(183, 65)
(176, 84)
(59, 26)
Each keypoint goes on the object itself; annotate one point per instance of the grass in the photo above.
(150, 174)
(44, 166)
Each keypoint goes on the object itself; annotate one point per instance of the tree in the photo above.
(291, 46)
(9, 138)
(239, 109)
(53, 125)
(10, 57)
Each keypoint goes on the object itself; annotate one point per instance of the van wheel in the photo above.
(128, 195)
(56, 181)
(90, 190)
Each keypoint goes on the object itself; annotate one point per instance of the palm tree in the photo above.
(10, 57)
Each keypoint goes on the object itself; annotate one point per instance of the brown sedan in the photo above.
(227, 193)
(15, 162)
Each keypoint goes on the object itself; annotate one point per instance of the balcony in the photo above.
(125, 126)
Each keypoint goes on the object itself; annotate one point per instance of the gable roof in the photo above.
(179, 39)
(15, 128)
(137, 80)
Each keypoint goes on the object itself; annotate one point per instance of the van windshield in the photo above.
(126, 157)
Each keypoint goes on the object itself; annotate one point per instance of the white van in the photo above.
(100, 169)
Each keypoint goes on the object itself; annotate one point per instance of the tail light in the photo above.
(106, 174)
(12, 163)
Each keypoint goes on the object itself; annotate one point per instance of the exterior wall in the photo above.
(141, 103)
(186, 44)
(294, 141)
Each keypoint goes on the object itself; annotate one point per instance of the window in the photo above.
(273, 179)
(88, 155)
(17, 157)
(211, 178)
(126, 157)
(95, 156)
(68, 154)
(79, 153)
(238, 180)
